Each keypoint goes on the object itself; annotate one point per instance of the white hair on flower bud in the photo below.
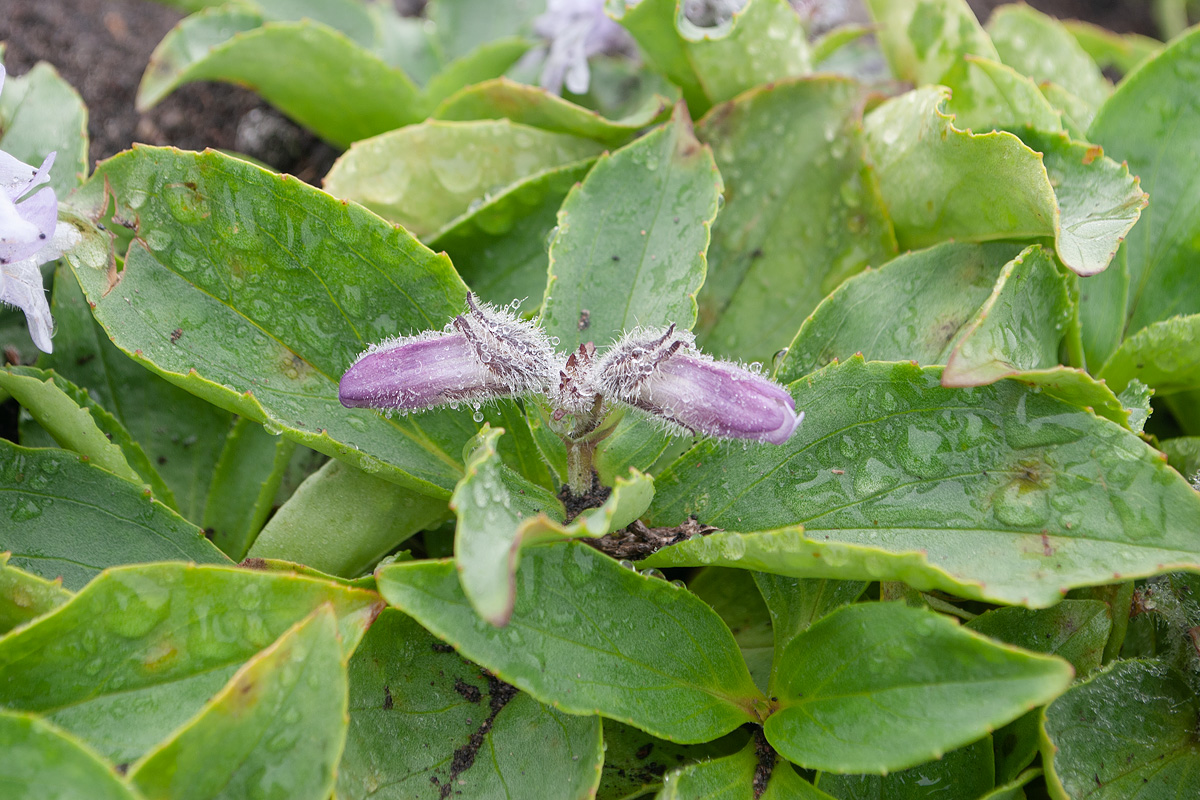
(623, 370)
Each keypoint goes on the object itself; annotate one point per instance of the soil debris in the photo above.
(499, 694)
(466, 691)
(577, 504)
(639, 541)
(766, 763)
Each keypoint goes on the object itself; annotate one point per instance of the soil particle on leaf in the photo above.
(639, 541)
(576, 504)
(468, 692)
(499, 694)
(766, 763)
(388, 703)
(441, 647)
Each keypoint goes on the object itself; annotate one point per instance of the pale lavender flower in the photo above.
(30, 235)
(482, 355)
(662, 373)
(576, 30)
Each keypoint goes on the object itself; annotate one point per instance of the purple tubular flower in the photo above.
(484, 354)
(30, 235)
(576, 30)
(662, 373)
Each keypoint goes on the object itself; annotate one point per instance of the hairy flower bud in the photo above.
(484, 354)
(662, 373)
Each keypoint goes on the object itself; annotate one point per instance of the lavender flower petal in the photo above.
(577, 30)
(25, 228)
(662, 373)
(418, 373)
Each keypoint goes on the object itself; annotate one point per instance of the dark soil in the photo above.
(766, 763)
(499, 694)
(640, 541)
(102, 47)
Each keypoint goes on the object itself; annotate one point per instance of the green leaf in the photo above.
(629, 497)
(314, 74)
(634, 762)
(424, 176)
(354, 18)
(1077, 115)
(141, 649)
(762, 42)
(422, 716)
(912, 308)
(491, 502)
(1041, 47)
(1014, 789)
(875, 687)
(923, 39)
(590, 636)
(502, 98)
(615, 265)
(370, 515)
(1135, 398)
(1119, 51)
(1183, 453)
(827, 45)
(732, 777)
(71, 520)
(1144, 124)
(1128, 731)
(79, 424)
(1077, 630)
(1018, 328)
(1102, 310)
(1163, 355)
(732, 594)
(38, 761)
(940, 182)
(519, 449)
(25, 596)
(259, 305)
(181, 434)
(283, 713)
(464, 25)
(1000, 493)
(796, 603)
(803, 211)
(41, 113)
(987, 95)
(963, 772)
(246, 480)
(499, 247)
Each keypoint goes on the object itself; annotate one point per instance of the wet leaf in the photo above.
(491, 503)
(923, 39)
(732, 594)
(283, 714)
(502, 98)
(464, 25)
(987, 95)
(963, 772)
(1000, 492)
(499, 247)
(78, 423)
(615, 265)
(876, 687)
(1128, 731)
(416, 709)
(1163, 355)
(247, 478)
(1018, 328)
(25, 596)
(1041, 47)
(592, 637)
(39, 761)
(210, 300)
(369, 516)
(1086, 202)
(424, 176)
(762, 42)
(1119, 51)
(1183, 453)
(635, 762)
(803, 211)
(519, 449)
(735, 777)
(141, 649)
(1144, 124)
(913, 308)
(794, 604)
(181, 434)
(69, 519)
(41, 113)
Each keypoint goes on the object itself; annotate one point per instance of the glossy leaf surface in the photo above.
(990, 492)
(1163, 355)
(876, 687)
(423, 176)
(25, 596)
(266, 330)
(1041, 47)
(68, 519)
(924, 39)
(415, 708)
(158, 640)
(593, 637)
(964, 772)
(282, 715)
(41, 113)
(38, 761)
(802, 211)
(628, 264)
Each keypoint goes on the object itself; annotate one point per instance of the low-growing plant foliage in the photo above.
(659, 398)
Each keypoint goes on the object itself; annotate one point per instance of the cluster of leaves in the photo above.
(967, 573)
